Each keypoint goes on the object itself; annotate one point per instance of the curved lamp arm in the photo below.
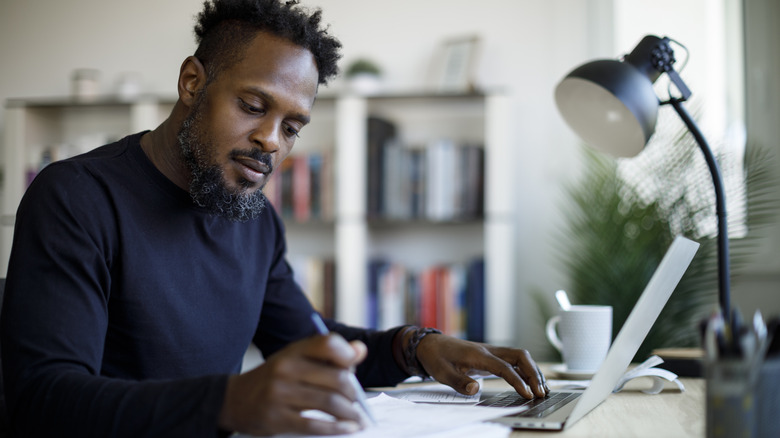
(724, 281)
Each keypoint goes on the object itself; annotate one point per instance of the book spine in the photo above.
(475, 301)
(286, 190)
(315, 185)
(301, 188)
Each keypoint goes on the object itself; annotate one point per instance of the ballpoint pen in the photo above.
(361, 395)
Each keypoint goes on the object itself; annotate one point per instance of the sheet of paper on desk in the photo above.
(400, 418)
(568, 384)
(435, 393)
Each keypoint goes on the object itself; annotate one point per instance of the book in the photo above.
(475, 301)
(471, 183)
(392, 296)
(380, 131)
(440, 180)
(449, 297)
(286, 198)
(327, 201)
(427, 303)
(375, 268)
(316, 277)
(316, 178)
(273, 190)
(416, 183)
(301, 188)
(396, 182)
(329, 288)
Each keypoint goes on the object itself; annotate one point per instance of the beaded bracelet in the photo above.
(413, 365)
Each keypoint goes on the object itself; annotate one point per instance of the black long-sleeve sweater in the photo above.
(127, 306)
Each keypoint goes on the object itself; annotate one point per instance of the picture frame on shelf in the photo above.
(455, 66)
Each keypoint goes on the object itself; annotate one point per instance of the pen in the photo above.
(361, 395)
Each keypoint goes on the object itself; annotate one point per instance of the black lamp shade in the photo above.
(611, 106)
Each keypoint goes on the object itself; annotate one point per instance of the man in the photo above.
(141, 271)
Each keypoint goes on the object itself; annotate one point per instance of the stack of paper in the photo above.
(401, 418)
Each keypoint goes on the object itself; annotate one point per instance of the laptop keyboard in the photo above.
(537, 407)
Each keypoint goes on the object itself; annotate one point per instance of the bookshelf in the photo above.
(46, 129)
(347, 235)
(420, 119)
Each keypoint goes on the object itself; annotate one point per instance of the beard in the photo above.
(208, 187)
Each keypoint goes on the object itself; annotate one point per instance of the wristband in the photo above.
(413, 365)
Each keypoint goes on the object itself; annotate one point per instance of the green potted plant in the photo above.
(363, 76)
(623, 216)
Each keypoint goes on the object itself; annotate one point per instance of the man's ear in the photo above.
(192, 78)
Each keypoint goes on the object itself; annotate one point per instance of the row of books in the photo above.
(317, 278)
(449, 297)
(301, 189)
(439, 181)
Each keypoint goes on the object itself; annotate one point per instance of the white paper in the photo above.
(647, 369)
(556, 384)
(400, 418)
(435, 393)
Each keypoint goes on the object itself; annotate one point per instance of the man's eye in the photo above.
(291, 132)
(251, 109)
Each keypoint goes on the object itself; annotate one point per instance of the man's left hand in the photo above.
(451, 361)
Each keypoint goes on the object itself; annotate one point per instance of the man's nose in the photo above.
(266, 136)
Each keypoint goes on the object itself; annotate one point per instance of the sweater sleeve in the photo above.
(54, 324)
(286, 317)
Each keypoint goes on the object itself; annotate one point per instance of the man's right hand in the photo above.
(308, 374)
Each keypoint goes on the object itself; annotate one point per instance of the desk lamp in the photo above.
(611, 105)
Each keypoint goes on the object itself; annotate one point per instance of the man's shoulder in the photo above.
(107, 152)
(84, 174)
(107, 158)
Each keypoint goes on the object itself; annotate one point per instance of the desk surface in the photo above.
(632, 413)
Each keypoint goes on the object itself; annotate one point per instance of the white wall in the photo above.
(528, 45)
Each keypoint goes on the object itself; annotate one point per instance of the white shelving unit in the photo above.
(64, 127)
(473, 118)
(339, 123)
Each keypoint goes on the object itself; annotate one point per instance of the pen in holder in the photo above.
(739, 378)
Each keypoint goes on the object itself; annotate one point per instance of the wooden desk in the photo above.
(629, 413)
(632, 413)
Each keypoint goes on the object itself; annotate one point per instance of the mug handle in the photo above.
(552, 334)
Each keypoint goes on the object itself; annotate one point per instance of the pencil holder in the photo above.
(731, 401)
(768, 399)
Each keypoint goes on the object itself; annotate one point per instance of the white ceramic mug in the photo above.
(585, 336)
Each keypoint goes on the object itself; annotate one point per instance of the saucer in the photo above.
(561, 370)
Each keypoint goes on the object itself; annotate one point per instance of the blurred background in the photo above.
(524, 48)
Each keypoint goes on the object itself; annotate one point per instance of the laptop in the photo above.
(561, 409)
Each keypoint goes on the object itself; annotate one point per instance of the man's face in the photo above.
(245, 122)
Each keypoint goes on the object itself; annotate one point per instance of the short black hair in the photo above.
(225, 27)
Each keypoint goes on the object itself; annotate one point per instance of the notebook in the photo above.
(561, 409)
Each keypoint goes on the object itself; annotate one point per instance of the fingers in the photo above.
(450, 361)
(333, 349)
(307, 423)
(331, 364)
(510, 374)
(361, 351)
(333, 403)
(524, 367)
(451, 376)
(310, 375)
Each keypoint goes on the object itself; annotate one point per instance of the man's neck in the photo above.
(162, 147)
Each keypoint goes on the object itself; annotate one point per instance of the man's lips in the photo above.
(251, 169)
